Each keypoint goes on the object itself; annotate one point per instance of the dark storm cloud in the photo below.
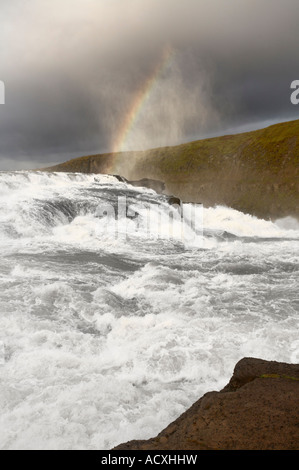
(72, 70)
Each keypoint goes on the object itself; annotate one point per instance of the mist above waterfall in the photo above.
(72, 71)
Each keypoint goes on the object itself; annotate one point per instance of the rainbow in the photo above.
(140, 99)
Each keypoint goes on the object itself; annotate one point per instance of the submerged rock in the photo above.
(257, 410)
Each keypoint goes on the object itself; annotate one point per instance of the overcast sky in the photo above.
(73, 68)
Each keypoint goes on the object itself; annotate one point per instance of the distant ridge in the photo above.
(256, 172)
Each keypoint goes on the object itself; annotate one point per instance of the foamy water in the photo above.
(112, 327)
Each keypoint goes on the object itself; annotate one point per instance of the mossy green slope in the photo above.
(255, 172)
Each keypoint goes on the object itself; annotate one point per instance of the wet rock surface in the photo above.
(257, 410)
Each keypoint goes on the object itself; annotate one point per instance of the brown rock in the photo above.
(257, 410)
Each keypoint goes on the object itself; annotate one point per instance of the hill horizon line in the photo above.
(253, 171)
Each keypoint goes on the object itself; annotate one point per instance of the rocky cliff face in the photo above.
(254, 172)
(257, 410)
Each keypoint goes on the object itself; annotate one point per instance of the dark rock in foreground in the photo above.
(257, 410)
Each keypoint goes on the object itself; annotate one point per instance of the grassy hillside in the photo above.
(255, 172)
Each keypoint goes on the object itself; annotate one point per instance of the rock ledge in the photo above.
(257, 410)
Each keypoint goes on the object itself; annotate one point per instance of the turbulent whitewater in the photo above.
(118, 311)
